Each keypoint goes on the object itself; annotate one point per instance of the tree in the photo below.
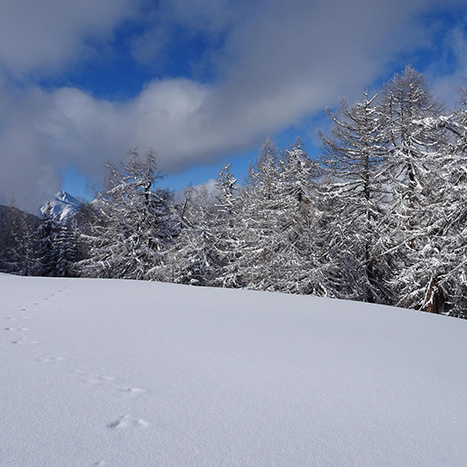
(17, 241)
(47, 237)
(136, 222)
(192, 256)
(354, 158)
(297, 266)
(67, 251)
(255, 223)
(440, 269)
(225, 230)
(276, 223)
(414, 160)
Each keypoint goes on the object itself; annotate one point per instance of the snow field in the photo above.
(124, 373)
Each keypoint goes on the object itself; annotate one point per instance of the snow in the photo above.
(64, 206)
(126, 373)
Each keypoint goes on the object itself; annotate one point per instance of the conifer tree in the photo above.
(192, 257)
(256, 221)
(437, 279)
(67, 251)
(414, 158)
(136, 221)
(18, 245)
(47, 238)
(297, 265)
(354, 158)
(226, 230)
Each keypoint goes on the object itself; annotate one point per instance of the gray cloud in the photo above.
(40, 36)
(280, 62)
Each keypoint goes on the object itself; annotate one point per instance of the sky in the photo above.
(201, 82)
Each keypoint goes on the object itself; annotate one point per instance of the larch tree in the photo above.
(67, 250)
(445, 254)
(226, 229)
(47, 244)
(412, 170)
(296, 267)
(354, 158)
(256, 220)
(192, 257)
(18, 242)
(136, 222)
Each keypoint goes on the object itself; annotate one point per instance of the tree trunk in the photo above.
(434, 298)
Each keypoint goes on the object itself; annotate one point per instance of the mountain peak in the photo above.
(65, 197)
(64, 206)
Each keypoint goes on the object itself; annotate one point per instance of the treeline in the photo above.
(381, 217)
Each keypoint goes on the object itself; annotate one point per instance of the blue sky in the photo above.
(203, 82)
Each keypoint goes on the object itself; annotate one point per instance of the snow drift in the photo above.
(123, 373)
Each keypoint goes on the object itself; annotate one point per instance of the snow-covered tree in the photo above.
(297, 265)
(136, 221)
(225, 229)
(276, 223)
(226, 185)
(354, 157)
(17, 241)
(47, 249)
(255, 222)
(412, 173)
(437, 279)
(192, 256)
(67, 251)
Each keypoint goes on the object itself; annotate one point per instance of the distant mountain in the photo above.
(64, 206)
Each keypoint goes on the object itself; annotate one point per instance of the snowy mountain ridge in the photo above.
(63, 206)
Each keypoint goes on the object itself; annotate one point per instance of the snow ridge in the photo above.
(64, 207)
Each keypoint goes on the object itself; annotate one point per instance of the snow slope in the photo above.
(64, 207)
(123, 373)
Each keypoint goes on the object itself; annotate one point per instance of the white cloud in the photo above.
(209, 186)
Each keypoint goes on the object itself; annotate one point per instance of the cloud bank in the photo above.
(272, 64)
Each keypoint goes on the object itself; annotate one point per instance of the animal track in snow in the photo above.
(19, 341)
(23, 341)
(12, 318)
(131, 392)
(127, 421)
(48, 359)
(93, 379)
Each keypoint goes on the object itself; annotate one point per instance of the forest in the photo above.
(380, 216)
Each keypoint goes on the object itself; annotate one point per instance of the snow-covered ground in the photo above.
(123, 373)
